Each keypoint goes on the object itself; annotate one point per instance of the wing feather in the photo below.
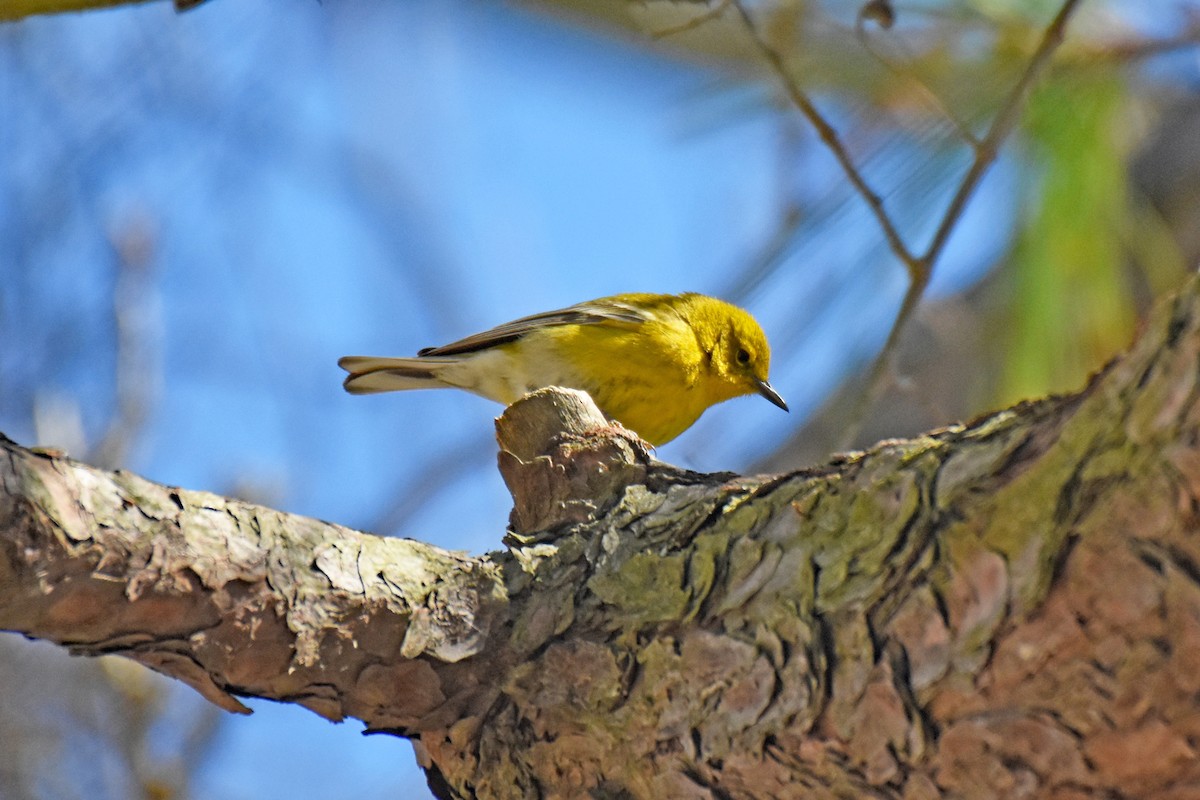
(595, 312)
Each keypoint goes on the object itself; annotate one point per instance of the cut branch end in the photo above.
(562, 460)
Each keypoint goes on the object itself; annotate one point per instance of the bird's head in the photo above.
(742, 357)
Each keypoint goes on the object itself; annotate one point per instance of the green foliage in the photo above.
(1074, 269)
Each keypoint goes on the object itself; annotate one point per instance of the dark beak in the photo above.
(766, 391)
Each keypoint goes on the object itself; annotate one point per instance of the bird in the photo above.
(652, 362)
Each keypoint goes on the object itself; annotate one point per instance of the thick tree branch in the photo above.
(232, 598)
(1006, 608)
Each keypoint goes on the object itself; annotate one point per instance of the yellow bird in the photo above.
(653, 362)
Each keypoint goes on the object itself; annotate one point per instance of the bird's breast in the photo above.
(648, 377)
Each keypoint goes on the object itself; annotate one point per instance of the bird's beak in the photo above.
(768, 392)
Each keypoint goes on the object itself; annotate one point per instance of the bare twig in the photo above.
(930, 96)
(985, 155)
(695, 21)
(920, 268)
(829, 136)
(1002, 125)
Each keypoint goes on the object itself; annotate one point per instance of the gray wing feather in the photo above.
(582, 314)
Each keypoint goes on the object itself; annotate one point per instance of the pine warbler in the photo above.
(653, 362)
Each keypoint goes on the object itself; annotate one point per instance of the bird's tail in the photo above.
(372, 374)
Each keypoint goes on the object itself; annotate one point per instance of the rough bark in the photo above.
(1009, 608)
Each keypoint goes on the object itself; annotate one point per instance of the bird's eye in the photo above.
(743, 356)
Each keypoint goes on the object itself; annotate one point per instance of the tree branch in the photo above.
(829, 137)
(920, 268)
(920, 271)
(1011, 603)
(232, 598)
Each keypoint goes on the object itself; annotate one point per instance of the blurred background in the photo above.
(200, 212)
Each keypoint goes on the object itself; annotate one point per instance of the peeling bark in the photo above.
(1009, 608)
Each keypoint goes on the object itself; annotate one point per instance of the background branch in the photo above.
(829, 137)
(920, 268)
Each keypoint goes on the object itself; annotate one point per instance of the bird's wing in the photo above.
(590, 313)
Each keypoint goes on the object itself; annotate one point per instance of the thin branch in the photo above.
(930, 96)
(985, 155)
(920, 269)
(829, 136)
(1002, 125)
(695, 22)
(879, 367)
